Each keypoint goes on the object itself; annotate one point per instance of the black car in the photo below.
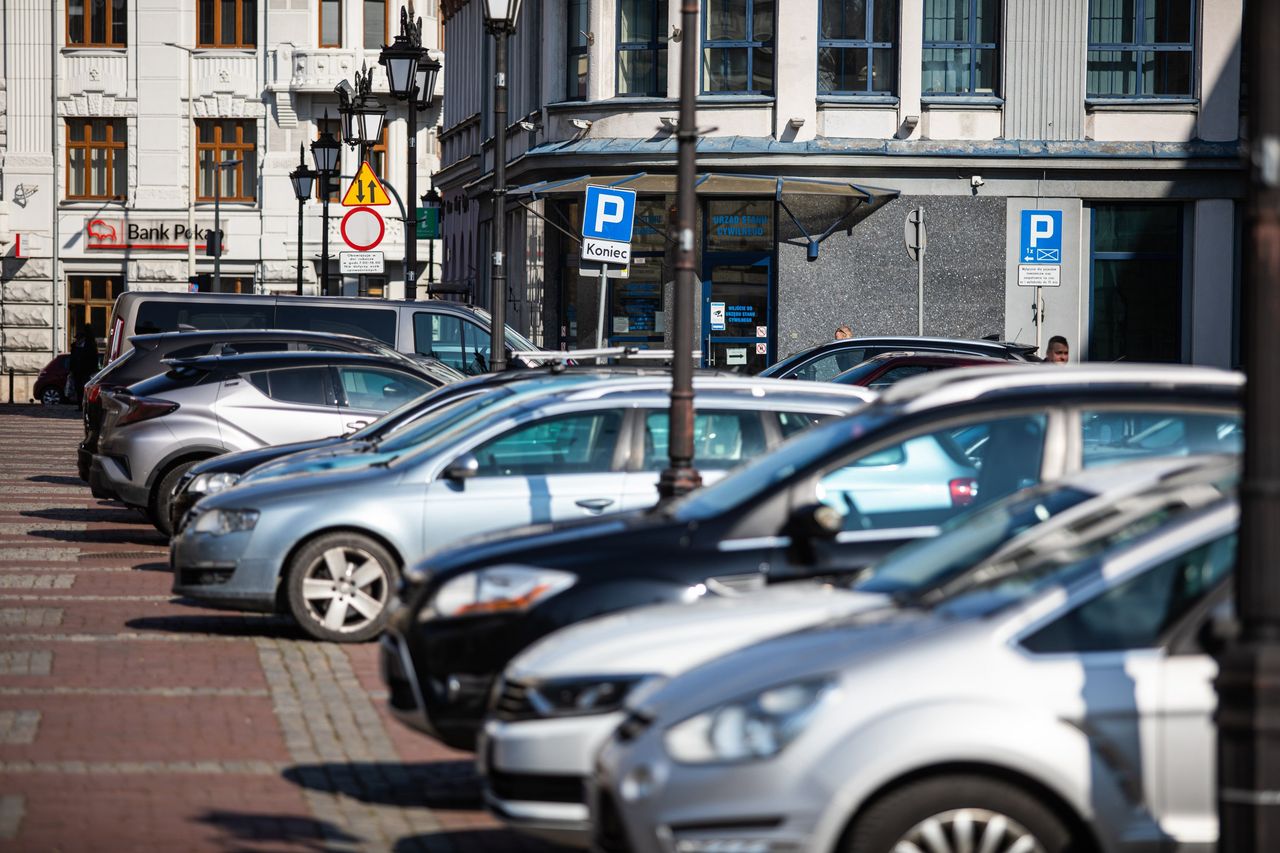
(835, 498)
(826, 361)
(223, 471)
(148, 353)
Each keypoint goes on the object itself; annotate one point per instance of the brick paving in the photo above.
(133, 721)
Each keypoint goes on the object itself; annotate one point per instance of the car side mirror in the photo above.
(463, 468)
(816, 521)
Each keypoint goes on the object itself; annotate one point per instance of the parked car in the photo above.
(1066, 705)
(470, 609)
(559, 700)
(50, 387)
(881, 371)
(825, 361)
(329, 546)
(455, 334)
(146, 355)
(155, 430)
(222, 472)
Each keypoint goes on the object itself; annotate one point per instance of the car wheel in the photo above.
(955, 813)
(51, 397)
(162, 498)
(340, 586)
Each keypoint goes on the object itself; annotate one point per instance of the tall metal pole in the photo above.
(498, 277)
(1249, 676)
(325, 177)
(301, 207)
(681, 477)
(431, 259)
(411, 225)
(217, 227)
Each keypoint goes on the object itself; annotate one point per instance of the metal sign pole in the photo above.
(920, 278)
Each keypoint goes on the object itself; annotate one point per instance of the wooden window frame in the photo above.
(80, 311)
(88, 145)
(237, 149)
(235, 44)
(88, 27)
(320, 42)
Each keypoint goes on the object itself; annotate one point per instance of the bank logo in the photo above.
(102, 232)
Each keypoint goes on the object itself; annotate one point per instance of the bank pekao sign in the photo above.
(148, 235)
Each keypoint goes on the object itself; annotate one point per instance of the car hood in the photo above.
(314, 489)
(244, 460)
(668, 639)
(819, 651)
(340, 457)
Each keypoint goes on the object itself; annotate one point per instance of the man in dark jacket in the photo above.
(84, 361)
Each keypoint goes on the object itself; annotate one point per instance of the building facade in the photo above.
(1090, 147)
(113, 118)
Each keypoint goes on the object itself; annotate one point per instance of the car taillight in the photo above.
(144, 409)
(117, 339)
(91, 393)
(963, 491)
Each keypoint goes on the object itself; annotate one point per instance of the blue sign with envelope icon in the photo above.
(1041, 237)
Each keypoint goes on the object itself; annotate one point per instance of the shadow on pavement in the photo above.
(275, 627)
(58, 413)
(244, 828)
(436, 784)
(479, 840)
(155, 567)
(98, 515)
(55, 480)
(114, 536)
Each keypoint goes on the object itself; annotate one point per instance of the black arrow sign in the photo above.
(359, 192)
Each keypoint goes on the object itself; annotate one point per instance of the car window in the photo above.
(721, 439)
(569, 444)
(1113, 436)
(160, 316)
(440, 336)
(826, 367)
(897, 374)
(793, 422)
(376, 323)
(1136, 613)
(379, 390)
(929, 477)
(305, 385)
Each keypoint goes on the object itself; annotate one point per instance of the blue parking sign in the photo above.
(1041, 237)
(609, 214)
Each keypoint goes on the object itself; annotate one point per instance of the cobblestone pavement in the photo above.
(130, 720)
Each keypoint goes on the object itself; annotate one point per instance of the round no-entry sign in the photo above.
(362, 228)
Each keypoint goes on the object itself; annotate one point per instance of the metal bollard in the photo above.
(11, 385)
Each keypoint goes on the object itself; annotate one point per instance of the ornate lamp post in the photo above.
(500, 20)
(411, 76)
(362, 115)
(431, 201)
(325, 150)
(680, 476)
(303, 180)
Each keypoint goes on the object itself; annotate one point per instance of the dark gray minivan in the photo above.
(455, 334)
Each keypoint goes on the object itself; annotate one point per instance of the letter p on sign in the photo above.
(609, 214)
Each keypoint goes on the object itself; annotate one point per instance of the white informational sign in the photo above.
(717, 317)
(621, 325)
(361, 263)
(737, 355)
(606, 251)
(1039, 275)
(659, 322)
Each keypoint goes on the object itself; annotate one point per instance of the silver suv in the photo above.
(155, 430)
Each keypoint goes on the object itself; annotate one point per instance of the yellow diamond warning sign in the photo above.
(365, 190)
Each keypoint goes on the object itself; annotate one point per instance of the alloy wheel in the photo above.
(968, 830)
(346, 589)
(51, 397)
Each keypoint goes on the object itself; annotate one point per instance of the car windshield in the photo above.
(418, 432)
(514, 339)
(857, 375)
(750, 481)
(373, 430)
(966, 540)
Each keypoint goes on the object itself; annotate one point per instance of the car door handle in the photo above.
(595, 504)
(357, 424)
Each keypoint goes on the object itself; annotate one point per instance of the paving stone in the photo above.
(30, 617)
(26, 662)
(58, 581)
(19, 726)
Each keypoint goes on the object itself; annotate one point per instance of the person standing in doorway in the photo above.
(84, 361)
(843, 332)
(1058, 351)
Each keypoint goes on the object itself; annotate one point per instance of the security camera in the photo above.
(669, 122)
(976, 181)
(582, 123)
(344, 89)
(525, 124)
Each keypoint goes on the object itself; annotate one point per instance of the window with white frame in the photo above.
(858, 47)
(1141, 49)
(642, 47)
(961, 47)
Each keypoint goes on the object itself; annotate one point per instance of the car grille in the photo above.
(609, 834)
(511, 702)
(539, 789)
(216, 576)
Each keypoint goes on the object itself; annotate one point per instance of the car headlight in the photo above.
(501, 589)
(213, 482)
(571, 697)
(219, 521)
(748, 729)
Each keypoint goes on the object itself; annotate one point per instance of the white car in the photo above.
(561, 698)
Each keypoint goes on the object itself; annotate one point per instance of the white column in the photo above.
(602, 53)
(796, 69)
(910, 55)
(1212, 265)
(1220, 70)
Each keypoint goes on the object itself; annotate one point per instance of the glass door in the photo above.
(736, 311)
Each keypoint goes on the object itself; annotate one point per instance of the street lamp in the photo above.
(362, 115)
(500, 20)
(217, 219)
(325, 150)
(431, 201)
(303, 180)
(411, 76)
(680, 477)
